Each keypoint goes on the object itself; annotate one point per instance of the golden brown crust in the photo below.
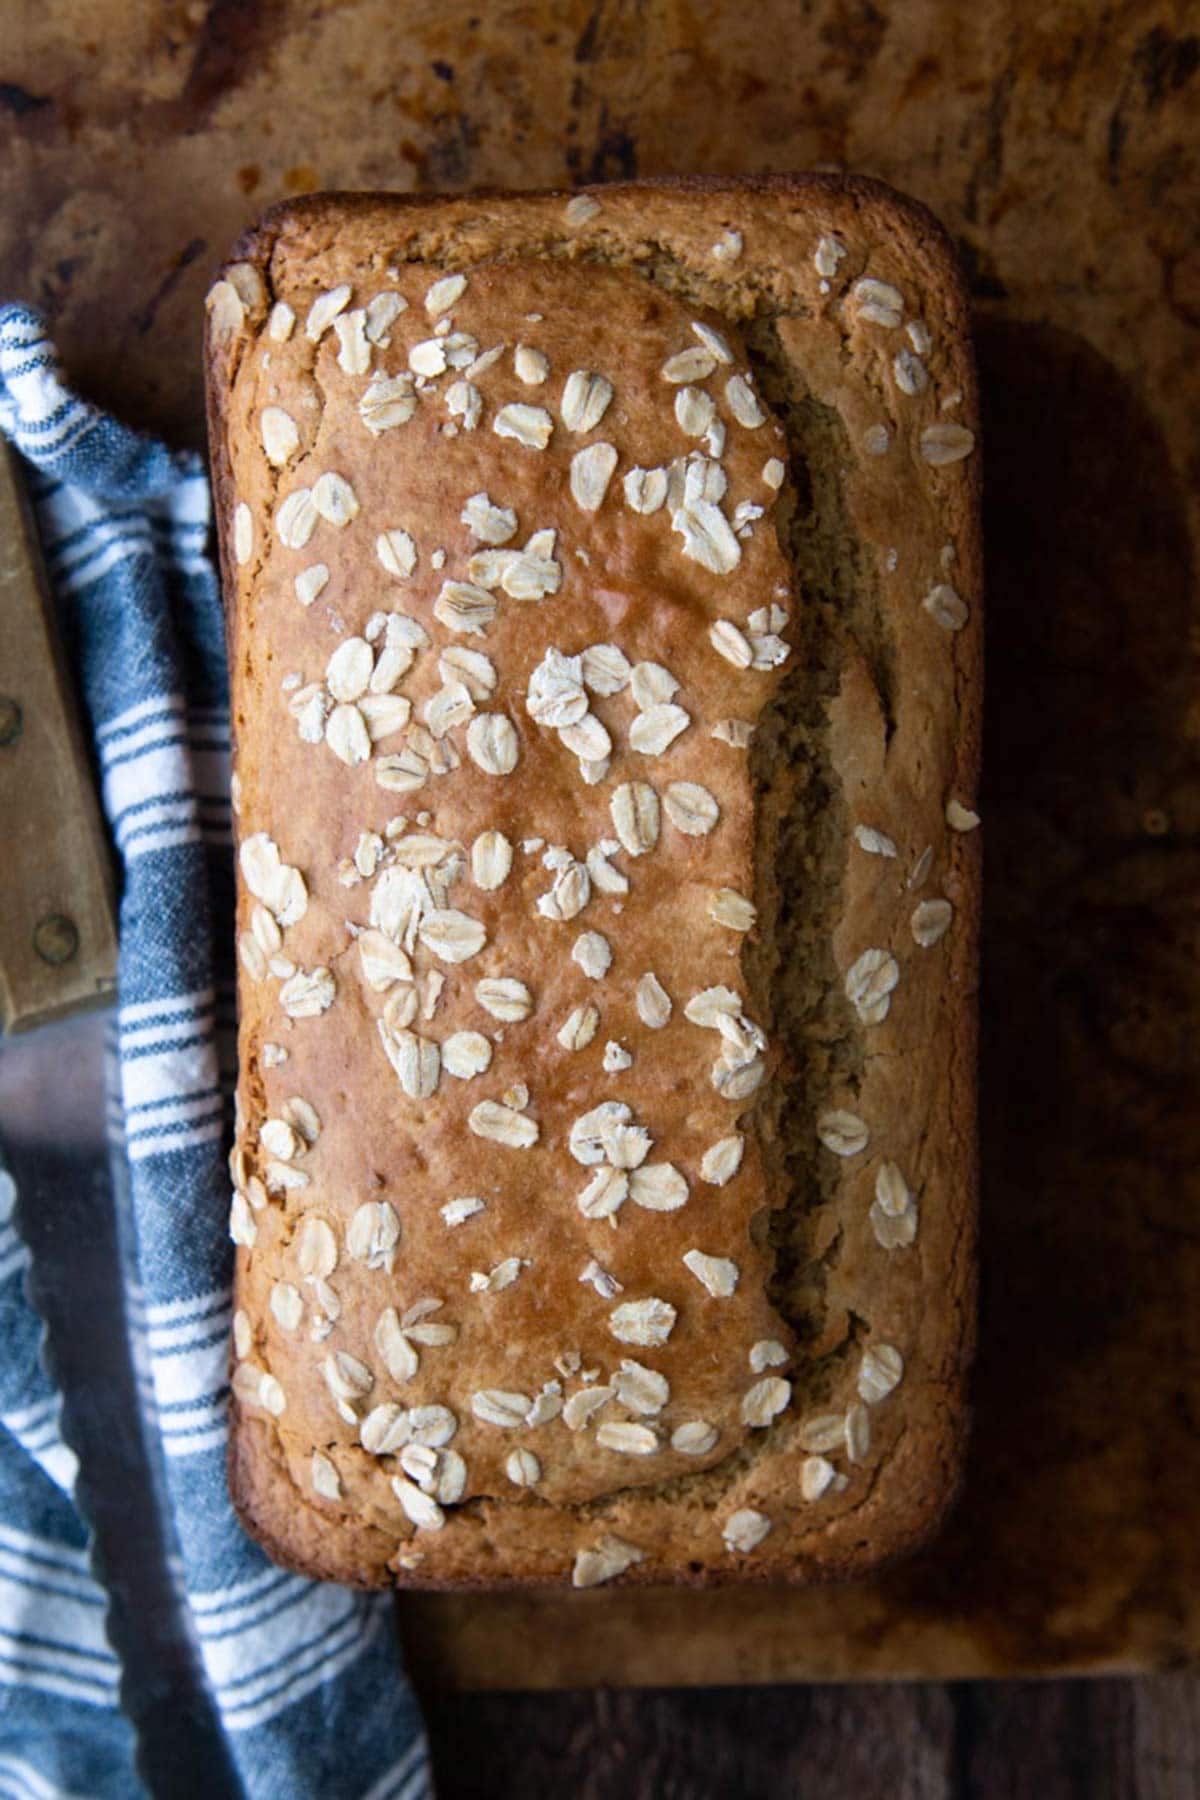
(892, 701)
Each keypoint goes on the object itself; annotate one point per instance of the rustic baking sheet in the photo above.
(1061, 149)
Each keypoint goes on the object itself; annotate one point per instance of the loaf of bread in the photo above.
(603, 583)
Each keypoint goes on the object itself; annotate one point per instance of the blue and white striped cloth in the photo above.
(302, 1682)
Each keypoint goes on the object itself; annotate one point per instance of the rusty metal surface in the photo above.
(1059, 144)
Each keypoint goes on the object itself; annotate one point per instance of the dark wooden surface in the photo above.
(1064, 1740)
(1058, 140)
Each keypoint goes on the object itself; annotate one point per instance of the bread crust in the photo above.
(898, 698)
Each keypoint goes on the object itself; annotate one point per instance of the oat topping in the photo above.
(324, 310)
(506, 998)
(653, 1002)
(645, 490)
(325, 1479)
(531, 366)
(497, 1406)
(610, 1556)
(307, 993)
(592, 951)
(280, 435)
(728, 246)
(843, 1132)
(945, 606)
(296, 519)
(462, 607)
(287, 1306)
(822, 1433)
(960, 817)
(875, 843)
(381, 314)
(731, 643)
(585, 400)
(503, 1125)
(242, 1227)
(921, 868)
(465, 402)
(523, 1468)
(255, 1387)
(415, 1060)
(732, 909)
(722, 1160)
(579, 1028)
(444, 293)
(334, 499)
(423, 1511)
(604, 1194)
(737, 733)
(765, 1400)
(281, 322)
(605, 669)
(641, 1390)
(743, 403)
(428, 358)
(580, 211)
(690, 808)
(658, 1187)
(634, 808)
(605, 1284)
(716, 1273)
(243, 534)
(858, 1434)
(626, 1438)
(492, 744)
(528, 574)
(708, 537)
(870, 982)
(893, 1215)
(945, 442)
(911, 375)
(828, 254)
(655, 729)
(768, 1353)
(457, 1212)
(591, 471)
(648, 1323)
(878, 302)
(583, 1406)
(466, 1054)
(354, 349)
(397, 552)
(528, 425)
(695, 411)
(816, 1477)
(696, 1437)
(310, 583)
(880, 1370)
(745, 1530)
(930, 922)
(243, 1336)
(388, 401)
(494, 1281)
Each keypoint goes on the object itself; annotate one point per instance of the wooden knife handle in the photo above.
(58, 936)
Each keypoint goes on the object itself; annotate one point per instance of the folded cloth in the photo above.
(303, 1681)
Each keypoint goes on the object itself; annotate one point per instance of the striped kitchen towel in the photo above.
(301, 1683)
